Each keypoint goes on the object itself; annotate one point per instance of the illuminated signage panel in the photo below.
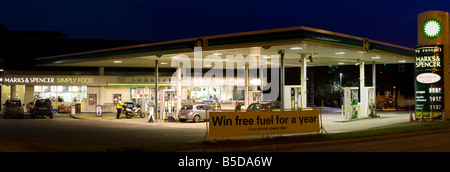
(429, 84)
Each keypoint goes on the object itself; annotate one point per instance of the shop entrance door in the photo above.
(144, 96)
(169, 104)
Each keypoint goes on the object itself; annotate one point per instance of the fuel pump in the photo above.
(256, 96)
(293, 105)
(292, 97)
(351, 105)
(169, 104)
(371, 110)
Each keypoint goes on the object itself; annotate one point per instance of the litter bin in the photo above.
(99, 110)
(72, 110)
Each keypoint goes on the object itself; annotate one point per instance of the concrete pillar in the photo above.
(374, 75)
(246, 96)
(363, 97)
(101, 92)
(101, 95)
(374, 81)
(29, 97)
(178, 91)
(13, 94)
(261, 79)
(303, 79)
(101, 71)
(156, 90)
(281, 53)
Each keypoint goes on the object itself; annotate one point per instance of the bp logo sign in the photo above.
(432, 28)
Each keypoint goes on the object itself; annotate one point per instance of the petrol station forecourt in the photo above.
(249, 67)
(250, 58)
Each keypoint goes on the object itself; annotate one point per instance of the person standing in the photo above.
(119, 107)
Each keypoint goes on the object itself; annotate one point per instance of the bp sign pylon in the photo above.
(432, 65)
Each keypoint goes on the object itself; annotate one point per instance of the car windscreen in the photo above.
(186, 107)
(12, 103)
(275, 105)
(255, 106)
(43, 103)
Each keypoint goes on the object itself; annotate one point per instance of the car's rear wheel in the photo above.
(196, 118)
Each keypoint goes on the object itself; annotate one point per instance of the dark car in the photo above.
(13, 108)
(42, 107)
(264, 106)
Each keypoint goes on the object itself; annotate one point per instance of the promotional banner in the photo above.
(429, 81)
(239, 124)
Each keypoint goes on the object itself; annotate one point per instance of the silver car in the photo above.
(194, 112)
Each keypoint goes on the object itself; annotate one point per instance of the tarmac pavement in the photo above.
(106, 129)
(387, 118)
(329, 120)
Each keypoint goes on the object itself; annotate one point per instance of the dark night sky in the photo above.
(387, 20)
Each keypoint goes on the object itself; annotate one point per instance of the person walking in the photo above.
(119, 105)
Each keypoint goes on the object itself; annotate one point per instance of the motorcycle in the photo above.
(130, 110)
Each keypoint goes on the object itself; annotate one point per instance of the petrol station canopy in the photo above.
(325, 47)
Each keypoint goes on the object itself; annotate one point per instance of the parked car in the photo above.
(264, 106)
(42, 107)
(195, 112)
(13, 108)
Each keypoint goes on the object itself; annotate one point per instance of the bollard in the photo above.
(72, 109)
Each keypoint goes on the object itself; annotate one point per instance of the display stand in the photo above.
(321, 125)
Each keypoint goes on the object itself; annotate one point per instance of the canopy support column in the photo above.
(281, 53)
(363, 91)
(303, 79)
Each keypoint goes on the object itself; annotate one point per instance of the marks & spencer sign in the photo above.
(429, 82)
(48, 80)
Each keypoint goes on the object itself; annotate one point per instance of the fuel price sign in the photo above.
(429, 83)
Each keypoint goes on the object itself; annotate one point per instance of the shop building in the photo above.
(88, 91)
